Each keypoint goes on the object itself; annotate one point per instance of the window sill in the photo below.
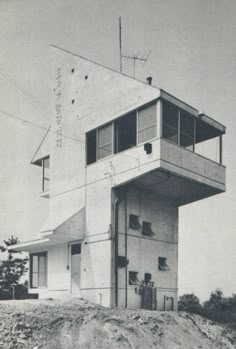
(123, 151)
(45, 194)
(35, 289)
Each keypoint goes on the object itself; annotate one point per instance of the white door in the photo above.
(75, 268)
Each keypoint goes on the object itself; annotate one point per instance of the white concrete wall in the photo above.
(96, 94)
(83, 99)
(143, 251)
(58, 276)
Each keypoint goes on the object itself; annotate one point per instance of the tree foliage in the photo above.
(12, 268)
(189, 302)
(216, 308)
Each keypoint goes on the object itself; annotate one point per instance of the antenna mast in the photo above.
(136, 58)
(120, 43)
(133, 57)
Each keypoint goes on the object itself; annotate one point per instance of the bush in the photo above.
(217, 307)
(220, 308)
(189, 302)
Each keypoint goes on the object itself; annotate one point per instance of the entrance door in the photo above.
(75, 268)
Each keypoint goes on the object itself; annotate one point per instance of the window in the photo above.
(91, 144)
(133, 278)
(147, 229)
(170, 122)
(162, 264)
(134, 222)
(46, 179)
(125, 132)
(75, 249)
(186, 130)
(104, 141)
(147, 123)
(38, 270)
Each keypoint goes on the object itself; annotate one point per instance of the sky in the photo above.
(192, 50)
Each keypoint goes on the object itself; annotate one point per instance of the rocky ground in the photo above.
(75, 324)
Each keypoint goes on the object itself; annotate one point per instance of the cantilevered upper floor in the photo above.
(166, 146)
(127, 131)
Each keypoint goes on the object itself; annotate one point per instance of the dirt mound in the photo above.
(78, 324)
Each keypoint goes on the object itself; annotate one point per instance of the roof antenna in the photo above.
(120, 43)
(133, 57)
(136, 58)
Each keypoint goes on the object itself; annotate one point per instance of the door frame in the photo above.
(70, 260)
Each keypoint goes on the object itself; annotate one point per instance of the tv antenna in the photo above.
(133, 57)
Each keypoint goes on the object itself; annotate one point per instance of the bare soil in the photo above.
(53, 324)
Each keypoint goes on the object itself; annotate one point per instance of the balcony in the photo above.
(172, 172)
(165, 147)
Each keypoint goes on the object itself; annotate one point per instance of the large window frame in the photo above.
(38, 276)
(188, 131)
(92, 154)
(105, 148)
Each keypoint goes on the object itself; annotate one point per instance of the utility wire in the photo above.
(50, 116)
(50, 130)
(90, 183)
(31, 99)
(38, 126)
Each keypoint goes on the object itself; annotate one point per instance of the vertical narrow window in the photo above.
(46, 178)
(38, 270)
(104, 142)
(147, 123)
(170, 122)
(125, 132)
(91, 143)
(186, 130)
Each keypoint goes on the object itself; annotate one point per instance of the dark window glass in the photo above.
(147, 229)
(133, 278)
(186, 130)
(134, 222)
(125, 132)
(170, 122)
(75, 249)
(162, 264)
(91, 146)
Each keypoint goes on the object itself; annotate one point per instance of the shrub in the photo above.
(189, 302)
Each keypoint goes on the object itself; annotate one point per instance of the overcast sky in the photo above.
(193, 56)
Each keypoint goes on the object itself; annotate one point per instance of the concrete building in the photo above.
(119, 160)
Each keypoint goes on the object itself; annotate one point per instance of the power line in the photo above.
(31, 99)
(38, 126)
(50, 130)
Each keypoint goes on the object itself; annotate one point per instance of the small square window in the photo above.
(75, 249)
(134, 222)
(133, 278)
(147, 229)
(162, 264)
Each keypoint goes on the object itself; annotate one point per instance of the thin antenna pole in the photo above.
(134, 65)
(135, 58)
(120, 43)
